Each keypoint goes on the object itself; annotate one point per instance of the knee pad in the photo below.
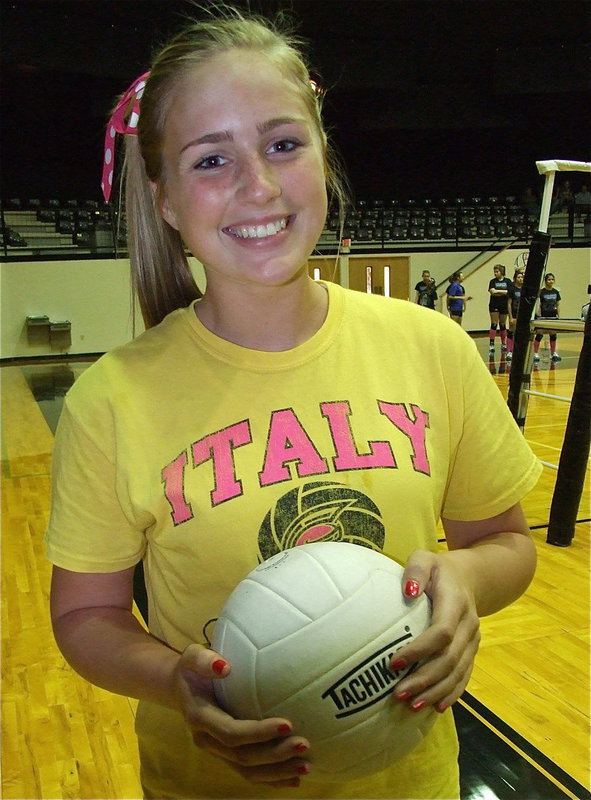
(553, 337)
(509, 334)
(502, 327)
(493, 326)
(539, 337)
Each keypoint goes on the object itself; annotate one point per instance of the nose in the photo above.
(258, 181)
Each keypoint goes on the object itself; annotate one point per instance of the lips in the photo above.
(259, 230)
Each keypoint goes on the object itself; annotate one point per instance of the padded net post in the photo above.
(519, 378)
(572, 466)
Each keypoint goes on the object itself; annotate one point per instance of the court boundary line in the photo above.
(525, 748)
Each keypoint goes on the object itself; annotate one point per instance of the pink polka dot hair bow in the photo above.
(117, 124)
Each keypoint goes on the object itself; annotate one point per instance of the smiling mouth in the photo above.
(258, 231)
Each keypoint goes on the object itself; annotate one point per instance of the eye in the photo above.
(284, 146)
(210, 162)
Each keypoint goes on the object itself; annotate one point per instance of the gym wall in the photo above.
(95, 297)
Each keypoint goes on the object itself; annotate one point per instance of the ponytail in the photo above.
(161, 278)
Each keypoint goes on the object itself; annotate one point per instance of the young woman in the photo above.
(549, 308)
(425, 291)
(456, 297)
(513, 307)
(176, 449)
(498, 289)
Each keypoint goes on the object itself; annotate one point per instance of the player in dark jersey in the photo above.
(498, 289)
(513, 306)
(549, 308)
(425, 292)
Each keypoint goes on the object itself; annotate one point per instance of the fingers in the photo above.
(207, 663)
(441, 679)
(445, 652)
(262, 751)
(417, 573)
(279, 761)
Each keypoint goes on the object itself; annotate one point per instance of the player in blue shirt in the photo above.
(456, 297)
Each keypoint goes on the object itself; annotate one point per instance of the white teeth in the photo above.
(259, 231)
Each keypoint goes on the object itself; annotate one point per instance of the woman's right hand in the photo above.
(261, 751)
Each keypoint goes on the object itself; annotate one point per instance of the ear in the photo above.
(162, 204)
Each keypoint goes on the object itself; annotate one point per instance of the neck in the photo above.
(265, 318)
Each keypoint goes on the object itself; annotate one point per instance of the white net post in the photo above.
(549, 170)
(519, 378)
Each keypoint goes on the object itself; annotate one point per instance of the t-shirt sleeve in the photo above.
(88, 529)
(492, 466)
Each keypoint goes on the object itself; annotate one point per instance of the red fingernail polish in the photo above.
(411, 589)
(295, 782)
(403, 696)
(418, 705)
(303, 770)
(284, 728)
(442, 707)
(218, 666)
(300, 748)
(398, 663)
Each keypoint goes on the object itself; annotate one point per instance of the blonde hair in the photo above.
(161, 277)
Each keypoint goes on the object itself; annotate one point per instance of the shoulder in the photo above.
(379, 315)
(134, 364)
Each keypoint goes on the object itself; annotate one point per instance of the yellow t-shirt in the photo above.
(202, 457)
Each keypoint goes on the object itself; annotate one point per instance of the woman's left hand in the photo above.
(448, 647)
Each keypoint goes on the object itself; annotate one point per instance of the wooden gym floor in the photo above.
(524, 721)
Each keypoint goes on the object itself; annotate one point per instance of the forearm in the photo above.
(109, 648)
(498, 568)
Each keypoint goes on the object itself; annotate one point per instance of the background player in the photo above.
(425, 292)
(456, 297)
(549, 308)
(498, 289)
(513, 308)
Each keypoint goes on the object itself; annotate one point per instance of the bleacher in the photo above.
(35, 227)
(48, 228)
(446, 223)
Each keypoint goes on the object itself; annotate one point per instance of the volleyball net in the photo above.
(574, 454)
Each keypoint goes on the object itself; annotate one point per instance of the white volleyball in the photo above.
(310, 634)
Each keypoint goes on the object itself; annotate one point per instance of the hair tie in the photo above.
(117, 124)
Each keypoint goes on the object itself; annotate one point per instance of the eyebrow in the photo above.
(209, 138)
(215, 137)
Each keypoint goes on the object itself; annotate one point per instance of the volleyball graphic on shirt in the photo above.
(310, 635)
(321, 511)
